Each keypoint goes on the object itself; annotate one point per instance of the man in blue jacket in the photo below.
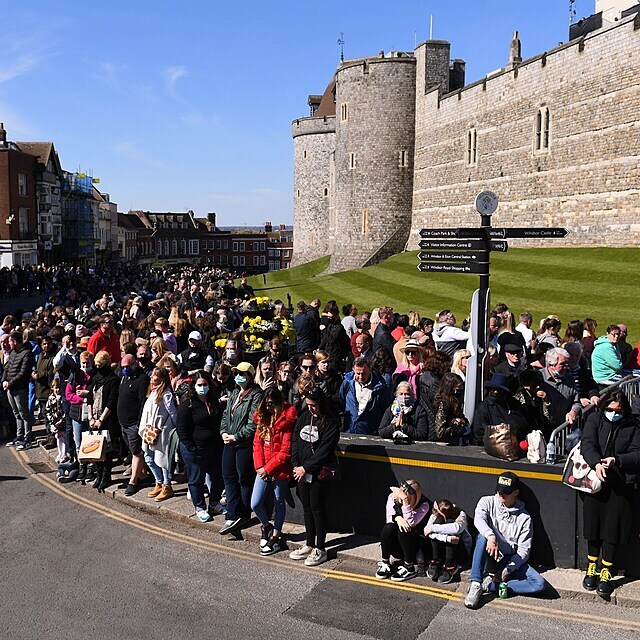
(364, 396)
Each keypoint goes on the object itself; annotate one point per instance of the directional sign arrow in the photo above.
(481, 268)
(533, 232)
(499, 245)
(478, 256)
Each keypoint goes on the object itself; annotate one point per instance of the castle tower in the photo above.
(313, 151)
(375, 107)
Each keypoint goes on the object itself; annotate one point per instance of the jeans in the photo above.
(71, 445)
(260, 489)
(239, 475)
(161, 476)
(197, 464)
(19, 403)
(78, 428)
(525, 580)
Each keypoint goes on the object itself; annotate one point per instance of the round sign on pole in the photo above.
(486, 203)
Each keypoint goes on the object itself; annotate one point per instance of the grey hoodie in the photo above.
(511, 526)
(449, 338)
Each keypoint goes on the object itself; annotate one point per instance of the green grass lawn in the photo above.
(601, 283)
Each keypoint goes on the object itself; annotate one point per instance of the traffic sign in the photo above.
(481, 268)
(524, 232)
(486, 203)
(478, 256)
(462, 245)
(439, 233)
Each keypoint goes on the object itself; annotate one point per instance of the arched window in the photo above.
(542, 135)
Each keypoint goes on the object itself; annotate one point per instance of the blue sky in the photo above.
(178, 105)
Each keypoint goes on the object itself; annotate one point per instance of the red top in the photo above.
(275, 455)
(100, 342)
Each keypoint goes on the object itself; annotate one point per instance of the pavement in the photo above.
(567, 583)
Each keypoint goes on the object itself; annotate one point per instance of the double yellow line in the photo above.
(333, 574)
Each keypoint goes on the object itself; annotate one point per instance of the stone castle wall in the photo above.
(589, 178)
(313, 148)
(373, 160)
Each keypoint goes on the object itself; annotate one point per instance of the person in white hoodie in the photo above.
(503, 544)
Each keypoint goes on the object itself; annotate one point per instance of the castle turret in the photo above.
(515, 52)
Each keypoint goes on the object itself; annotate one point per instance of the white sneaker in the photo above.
(472, 601)
(316, 557)
(203, 515)
(301, 553)
(384, 570)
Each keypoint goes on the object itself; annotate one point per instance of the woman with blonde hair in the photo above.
(157, 422)
(266, 372)
(126, 337)
(180, 328)
(459, 364)
(414, 319)
(411, 366)
(407, 510)
(158, 349)
(328, 379)
(275, 421)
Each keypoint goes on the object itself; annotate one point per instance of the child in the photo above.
(54, 418)
(450, 540)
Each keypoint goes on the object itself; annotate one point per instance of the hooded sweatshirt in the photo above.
(511, 525)
(605, 361)
(449, 338)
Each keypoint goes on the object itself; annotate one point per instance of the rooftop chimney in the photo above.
(3, 135)
(268, 227)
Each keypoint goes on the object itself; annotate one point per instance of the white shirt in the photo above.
(527, 334)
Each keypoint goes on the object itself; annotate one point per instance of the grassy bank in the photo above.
(601, 283)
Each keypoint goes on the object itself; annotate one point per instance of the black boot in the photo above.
(99, 475)
(82, 474)
(591, 577)
(605, 588)
(91, 472)
(106, 478)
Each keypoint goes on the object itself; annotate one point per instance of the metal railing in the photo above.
(631, 387)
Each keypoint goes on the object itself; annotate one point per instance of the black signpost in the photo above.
(468, 250)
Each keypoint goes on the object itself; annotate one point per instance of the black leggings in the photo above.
(313, 496)
(608, 550)
(398, 544)
(446, 551)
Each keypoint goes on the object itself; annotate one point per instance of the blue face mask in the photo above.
(127, 371)
(202, 390)
(612, 416)
(240, 380)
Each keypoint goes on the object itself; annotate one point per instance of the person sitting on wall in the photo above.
(503, 544)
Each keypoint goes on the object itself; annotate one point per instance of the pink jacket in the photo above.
(412, 517)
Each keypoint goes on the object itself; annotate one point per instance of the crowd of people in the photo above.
(158, 361)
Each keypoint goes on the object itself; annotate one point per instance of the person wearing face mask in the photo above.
(132, 395)
(611, 447)
(237, 430)
(103, 402)
(77, 394)
(198, 427)
(143, 353)
(405, 417)
(562, 397)
(231, 354)
(499, 406)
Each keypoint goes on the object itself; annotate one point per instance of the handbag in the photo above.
(578, 475)
(151, 434)
(501, 441)
(330, 471)
(536, 447)
(93, 447)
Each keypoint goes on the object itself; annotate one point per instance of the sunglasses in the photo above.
(308, 367)
(411, 353)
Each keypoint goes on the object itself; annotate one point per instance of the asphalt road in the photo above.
(74, 564)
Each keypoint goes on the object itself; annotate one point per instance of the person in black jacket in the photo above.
(198, 427)
(306, 329)
(328, 379)
(15, 381)
(498, 407)
(333, 337)
(313, 446)
(611, 447)
(382, 338)
(131, 398)
(404, 415)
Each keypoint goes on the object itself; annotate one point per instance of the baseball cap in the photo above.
(507, 483)
(244, 367)
(195, 335)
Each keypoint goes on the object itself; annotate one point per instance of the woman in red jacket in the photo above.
(275, 420)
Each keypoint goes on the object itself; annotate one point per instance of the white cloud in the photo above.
(171, 76)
